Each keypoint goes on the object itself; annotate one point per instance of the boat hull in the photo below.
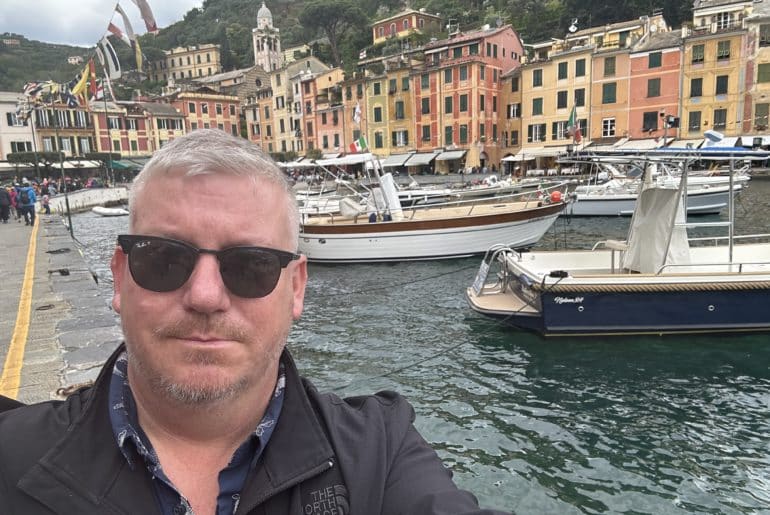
(426, 239)
(705, 202)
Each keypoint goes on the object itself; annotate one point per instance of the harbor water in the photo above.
(630, 425)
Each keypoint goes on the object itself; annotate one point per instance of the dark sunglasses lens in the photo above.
(250, 273)
(161, 266)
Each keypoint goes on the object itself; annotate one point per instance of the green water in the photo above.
(633, 425)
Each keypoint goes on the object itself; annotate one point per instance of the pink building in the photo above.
(655, 86)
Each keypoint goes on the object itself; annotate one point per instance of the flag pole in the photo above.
(110, 172)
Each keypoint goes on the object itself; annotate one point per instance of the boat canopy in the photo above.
(648, 236)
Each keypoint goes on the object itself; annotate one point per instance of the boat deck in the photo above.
(502, 302)
(433, 212)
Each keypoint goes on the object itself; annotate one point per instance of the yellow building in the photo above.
(400, 136)
(756, 113)
(510, 119)
(187, 63)
(377, 113)
(713, 82)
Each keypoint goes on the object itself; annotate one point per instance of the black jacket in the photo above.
(360, 456)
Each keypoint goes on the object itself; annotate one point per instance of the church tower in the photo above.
(266, 41)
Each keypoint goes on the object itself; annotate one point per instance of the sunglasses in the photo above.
(162, 265)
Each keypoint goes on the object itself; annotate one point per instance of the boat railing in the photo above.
(717, 239)
(740, 265)
(614, 246)
(496, 253)
(540, 195)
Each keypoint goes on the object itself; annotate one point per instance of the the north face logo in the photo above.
(332, 500)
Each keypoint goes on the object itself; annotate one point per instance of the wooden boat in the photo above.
(658, 281)
(109, 211)
(386, 231)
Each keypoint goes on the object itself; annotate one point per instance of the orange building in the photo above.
(403, 24)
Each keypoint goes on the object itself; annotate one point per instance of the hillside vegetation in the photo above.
(336, 29)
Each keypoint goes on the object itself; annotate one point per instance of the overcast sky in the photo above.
(82, 22)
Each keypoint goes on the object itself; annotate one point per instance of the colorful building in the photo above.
(404, 24)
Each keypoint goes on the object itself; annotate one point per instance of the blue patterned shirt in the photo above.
(133, 443)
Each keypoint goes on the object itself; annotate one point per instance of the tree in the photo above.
(333, 18)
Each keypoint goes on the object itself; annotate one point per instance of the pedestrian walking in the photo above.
(5, 205)
(45, 203)
(27, 199)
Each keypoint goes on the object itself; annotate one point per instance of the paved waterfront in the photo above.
(55, 327)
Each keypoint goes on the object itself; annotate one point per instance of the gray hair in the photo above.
(212, 151)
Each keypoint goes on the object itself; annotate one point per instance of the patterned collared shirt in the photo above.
(134, 443)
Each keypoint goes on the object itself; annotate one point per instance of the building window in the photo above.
(232, 109)
(723, 49)
(537, 106)
(535, 132)
(654, 60)
(391, 86)
(336, 141)
(693, 123)
(724, 20)
(653, 87)
(561, 99)
(448, 76)
(425, 105)
(463, 134)
(609, 66)
(609, 95)
(424, 81)
(514, 84)
(325, 141)
(721, 87)
(113, 122)
(447, 105)
(580, 68)
(392, 29)
(763, 72)
(473, 49)
(405, 84)
(464, 72)
(204, 108)
(562, 73)
(282, 126)
(559, 130)
(761, 112)
(698, 53)
(218, 107)
(191, 106)
(482, 72)
(537, 77)
(381, 32)
(608, 127)
(378, 114)
(650, 121)
(463, 103)
(323, 118)
(514, 110)
(580, 97)
(131, 124)
(406, 24)
(457, 51)
(764, 35)
(696, 87)
(377, 88)
(514, 138)
(720, 118)
(378, 140)
(494, 103)
(115, 145)
(448, 136)
(482, 103)
(400, 110)
(426, 132)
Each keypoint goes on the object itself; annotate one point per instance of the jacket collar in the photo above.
(85, 468)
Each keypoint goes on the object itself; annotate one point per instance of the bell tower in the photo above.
(266, 41)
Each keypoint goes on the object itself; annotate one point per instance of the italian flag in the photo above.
(359, 145)
(573, 127)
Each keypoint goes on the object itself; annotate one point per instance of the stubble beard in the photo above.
(199, 389)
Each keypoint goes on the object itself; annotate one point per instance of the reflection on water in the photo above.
(641, 425)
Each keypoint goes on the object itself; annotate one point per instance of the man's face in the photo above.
(201, 343)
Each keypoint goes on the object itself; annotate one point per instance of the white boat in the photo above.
(386, 231)
(109, 211)
(617, 196)
(657, 281)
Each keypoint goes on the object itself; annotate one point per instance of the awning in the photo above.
(121, 165)
(421, 159)
(76, 165)
(724, 142)
(641, 144)
(396, 160)
(350, 159)
(331, 155)
(296, 164)
(526, 154)
(682, 143)
(450, 155)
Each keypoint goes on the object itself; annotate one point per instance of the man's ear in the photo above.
(298, 283)
(119, 267)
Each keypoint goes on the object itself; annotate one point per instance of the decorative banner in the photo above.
(147, 16)
(108, 58)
